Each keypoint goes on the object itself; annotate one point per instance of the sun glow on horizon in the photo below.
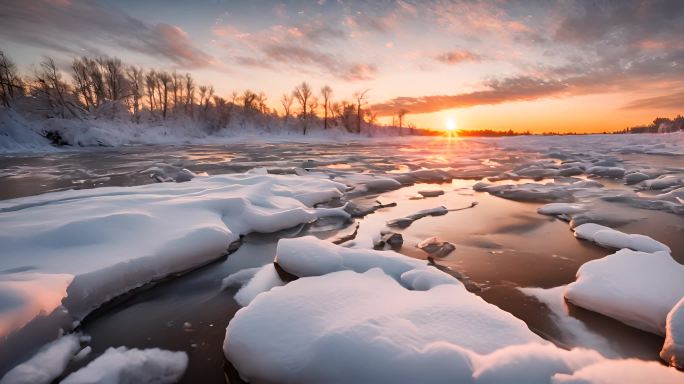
(450, 124)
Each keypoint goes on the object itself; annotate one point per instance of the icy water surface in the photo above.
(502, 244)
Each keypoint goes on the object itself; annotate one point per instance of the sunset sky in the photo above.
(563, 66)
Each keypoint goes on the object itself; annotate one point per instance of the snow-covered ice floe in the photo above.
(614, 239)
(540, 192)
(47, 364)
(140, 366)
(95, 244)
(377, 316)
(636, 288)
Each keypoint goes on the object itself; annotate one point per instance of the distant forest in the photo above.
(106, 88)
(660, 125)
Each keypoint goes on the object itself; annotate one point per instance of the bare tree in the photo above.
(202, 94)
(151, 85)
(210, 94)
(249, 101)
(97, 81)
(164, 80)
(261, 102)
(52, 89)
(136, 83)
(400, 115)
(326, 93)
(360, 101)
(346, 113)
(176, 89)
(303, 95)
(372, 118)
(286, 100)
(114, 78)
(189, 94)
(82, 83)
(10, 83)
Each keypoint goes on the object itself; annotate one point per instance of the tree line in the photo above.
(106, 88)
(660, 125)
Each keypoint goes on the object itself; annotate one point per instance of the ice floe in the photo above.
(365, 327)
(562, 209)
(263, 280)
(636, 288)
(614, 239)
(140, 366)
(540, 192)
(103, 242)
(46, 365)
(309, 256)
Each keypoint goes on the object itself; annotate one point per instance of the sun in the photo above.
(450, 124)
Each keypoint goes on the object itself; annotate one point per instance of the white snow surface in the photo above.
(351, 327)
(636, 288)
(310, 256)
(106, 241)
(132, 366)
(388, 318)
(611, 238)
(19, 134)
(673, 348)
(47, 364)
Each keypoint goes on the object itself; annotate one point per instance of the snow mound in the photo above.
(121, 365)
(111, 240)
(636, 288)
(673, 348)
(351, 327)
(310, 256)
(611, 238)
(47, 364)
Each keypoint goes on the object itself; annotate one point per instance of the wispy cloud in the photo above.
(669, 101)
(496, 92)
(302, 47)
(457, 56)
(77, 25)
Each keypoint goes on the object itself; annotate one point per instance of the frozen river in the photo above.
(505, 251)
